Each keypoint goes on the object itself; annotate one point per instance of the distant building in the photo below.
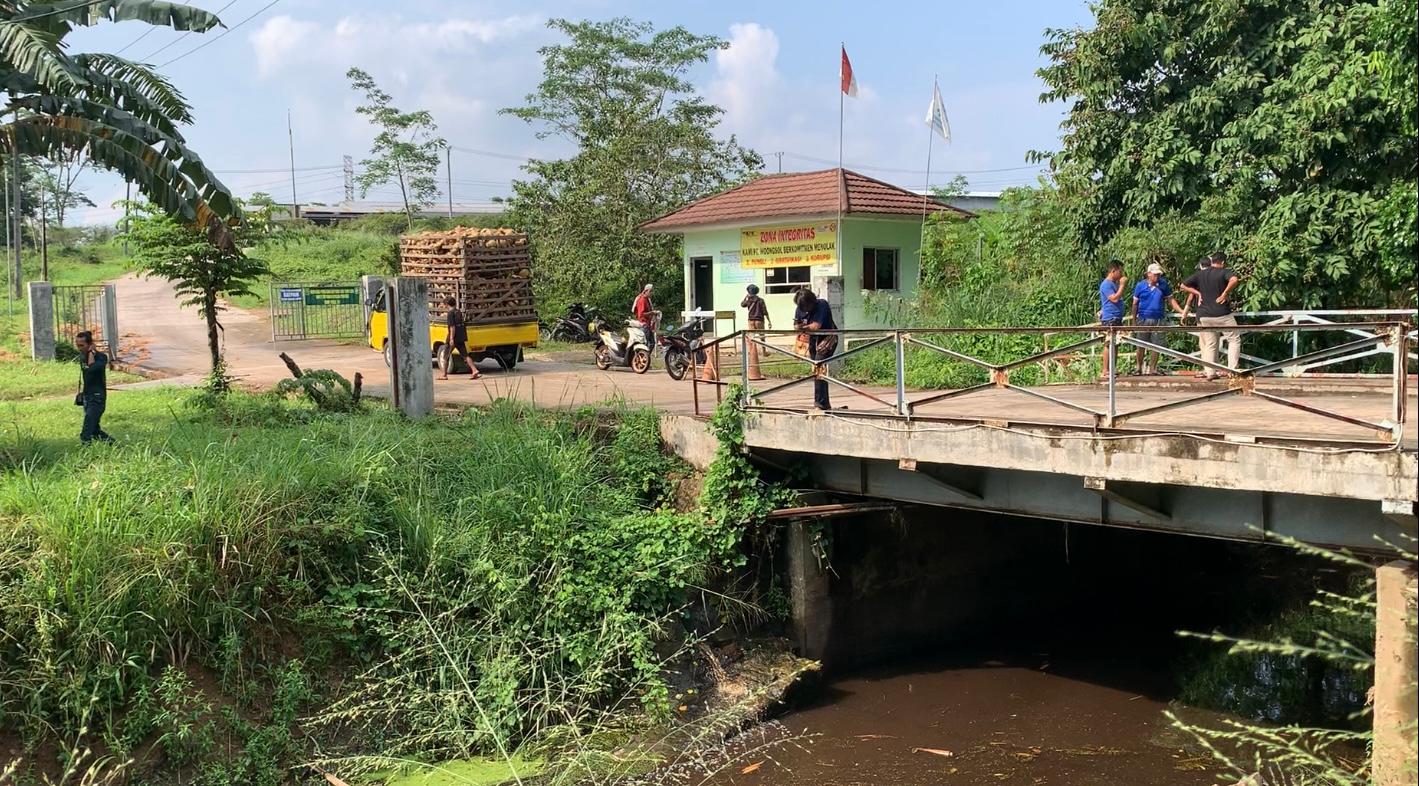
(782, 233)
(976, 201)
(346, 211)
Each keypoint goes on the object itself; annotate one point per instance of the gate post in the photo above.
(108, 316)
(412, 373)
(41, 320)
(1396, 701)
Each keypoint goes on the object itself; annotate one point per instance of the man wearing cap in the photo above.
(758, 317)
(1149, 297)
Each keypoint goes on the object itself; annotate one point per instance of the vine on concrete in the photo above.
(735, 497)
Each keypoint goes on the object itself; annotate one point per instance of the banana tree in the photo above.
(123, 115)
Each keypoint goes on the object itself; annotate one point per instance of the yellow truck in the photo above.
(488, 272)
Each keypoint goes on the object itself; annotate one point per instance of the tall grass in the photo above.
(472, 580)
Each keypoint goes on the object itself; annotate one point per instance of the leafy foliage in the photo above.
(328, 390)
(405, 150)
(203, 269)
(1287, 127)
(121, 115)
(618, 90)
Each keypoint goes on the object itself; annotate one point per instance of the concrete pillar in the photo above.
(370, 287)
(41, 320)
(809, 593)
(412, 373)
(108, 316)
(1396, 672)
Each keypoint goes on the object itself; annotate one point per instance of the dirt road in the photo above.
(176, 346)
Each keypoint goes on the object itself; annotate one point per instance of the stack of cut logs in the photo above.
(488, 271)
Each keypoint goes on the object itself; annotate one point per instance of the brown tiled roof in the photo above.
(799, 194)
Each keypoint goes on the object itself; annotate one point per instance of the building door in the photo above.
(703, 295)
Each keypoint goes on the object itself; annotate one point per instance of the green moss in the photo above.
(467, 772)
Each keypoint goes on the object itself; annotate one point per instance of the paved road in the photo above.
(175, 345)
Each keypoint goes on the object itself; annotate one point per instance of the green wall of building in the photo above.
(858, 233)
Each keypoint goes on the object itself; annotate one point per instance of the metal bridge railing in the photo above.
(1381, 348)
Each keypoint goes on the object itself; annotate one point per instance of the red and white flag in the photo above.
(849, 80)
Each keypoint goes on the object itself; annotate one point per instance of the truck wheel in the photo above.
(507, 358)
(640, 360)
(388, 352)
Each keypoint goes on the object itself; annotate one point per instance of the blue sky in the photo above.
(465, 60)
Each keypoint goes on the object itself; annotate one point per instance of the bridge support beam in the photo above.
(1396, 661)
(809, 593)
(1112, 493)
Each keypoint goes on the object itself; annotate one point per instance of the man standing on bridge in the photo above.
(1213, 289)
(1149, 297)
(814, 314)
(1111, 304)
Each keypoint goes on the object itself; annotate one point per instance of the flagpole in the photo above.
(842, 178)
(930, 133)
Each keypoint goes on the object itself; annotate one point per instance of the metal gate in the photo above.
(316, 310)
(79, 308)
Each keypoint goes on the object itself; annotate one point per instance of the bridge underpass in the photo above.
(1314, 445)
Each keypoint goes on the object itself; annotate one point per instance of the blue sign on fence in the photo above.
(292, 294)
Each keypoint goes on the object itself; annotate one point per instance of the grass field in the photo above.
(430, 591)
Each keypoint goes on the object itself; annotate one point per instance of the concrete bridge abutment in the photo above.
(1396, 671)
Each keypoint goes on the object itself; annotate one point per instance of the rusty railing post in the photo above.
(901, 352)
(744, 339)
(695, 378)
(1399, 337)
(1112, 361)
(718, 388)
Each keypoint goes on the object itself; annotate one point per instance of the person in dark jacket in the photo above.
(93, 387)
(758, 319)
(814, 314)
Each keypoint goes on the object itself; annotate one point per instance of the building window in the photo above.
(786, 280)
(879, 268)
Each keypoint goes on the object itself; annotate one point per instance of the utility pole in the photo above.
(43, 238)
(349, 179)
(448, 171)
(9, 227)
(779, 156)
(291, 139)
(127, 203)
(15, 272)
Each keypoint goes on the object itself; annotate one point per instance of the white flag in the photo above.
(936, 115)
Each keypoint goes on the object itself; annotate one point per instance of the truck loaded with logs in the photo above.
(488, 275)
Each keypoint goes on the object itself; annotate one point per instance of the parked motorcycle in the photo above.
(613, 349)
(573, 327)
(678, 344)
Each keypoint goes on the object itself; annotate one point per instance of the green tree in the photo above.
(405, 151)
(59, 178)
(1274, 122)
(122, 114)
(203, 267)
(645, 143)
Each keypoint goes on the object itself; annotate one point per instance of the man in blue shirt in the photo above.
(814, 314)
(1111, 304)
(93, 387)
(1149, 297)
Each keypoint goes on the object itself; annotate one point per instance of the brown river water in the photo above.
(1027, 722)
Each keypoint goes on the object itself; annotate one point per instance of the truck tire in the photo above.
(388, 351)
(507, 358)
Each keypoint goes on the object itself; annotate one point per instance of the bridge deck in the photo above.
(1243, 416)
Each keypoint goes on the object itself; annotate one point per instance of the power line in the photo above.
(913, 171)
(224, 34)
(490, 153)
(173, 42)
(64, 10)
(130, 44)
(273, 171)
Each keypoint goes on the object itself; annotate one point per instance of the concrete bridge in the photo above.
(1329, 456)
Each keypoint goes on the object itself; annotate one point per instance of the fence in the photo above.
(79, 308)
(1019, 363)
(302, 310)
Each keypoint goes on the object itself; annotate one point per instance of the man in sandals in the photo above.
(457, 340)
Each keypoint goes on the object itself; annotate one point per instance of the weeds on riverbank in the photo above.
(188, 594)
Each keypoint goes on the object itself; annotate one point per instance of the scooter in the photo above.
(612, 349)
(678, 345)
(573, 327)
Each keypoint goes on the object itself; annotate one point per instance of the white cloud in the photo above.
(746, 74)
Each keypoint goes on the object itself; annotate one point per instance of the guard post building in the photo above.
(783, 232)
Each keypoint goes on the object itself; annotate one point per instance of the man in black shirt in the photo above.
(93, 387)
(1213, 289)
(457, 339)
